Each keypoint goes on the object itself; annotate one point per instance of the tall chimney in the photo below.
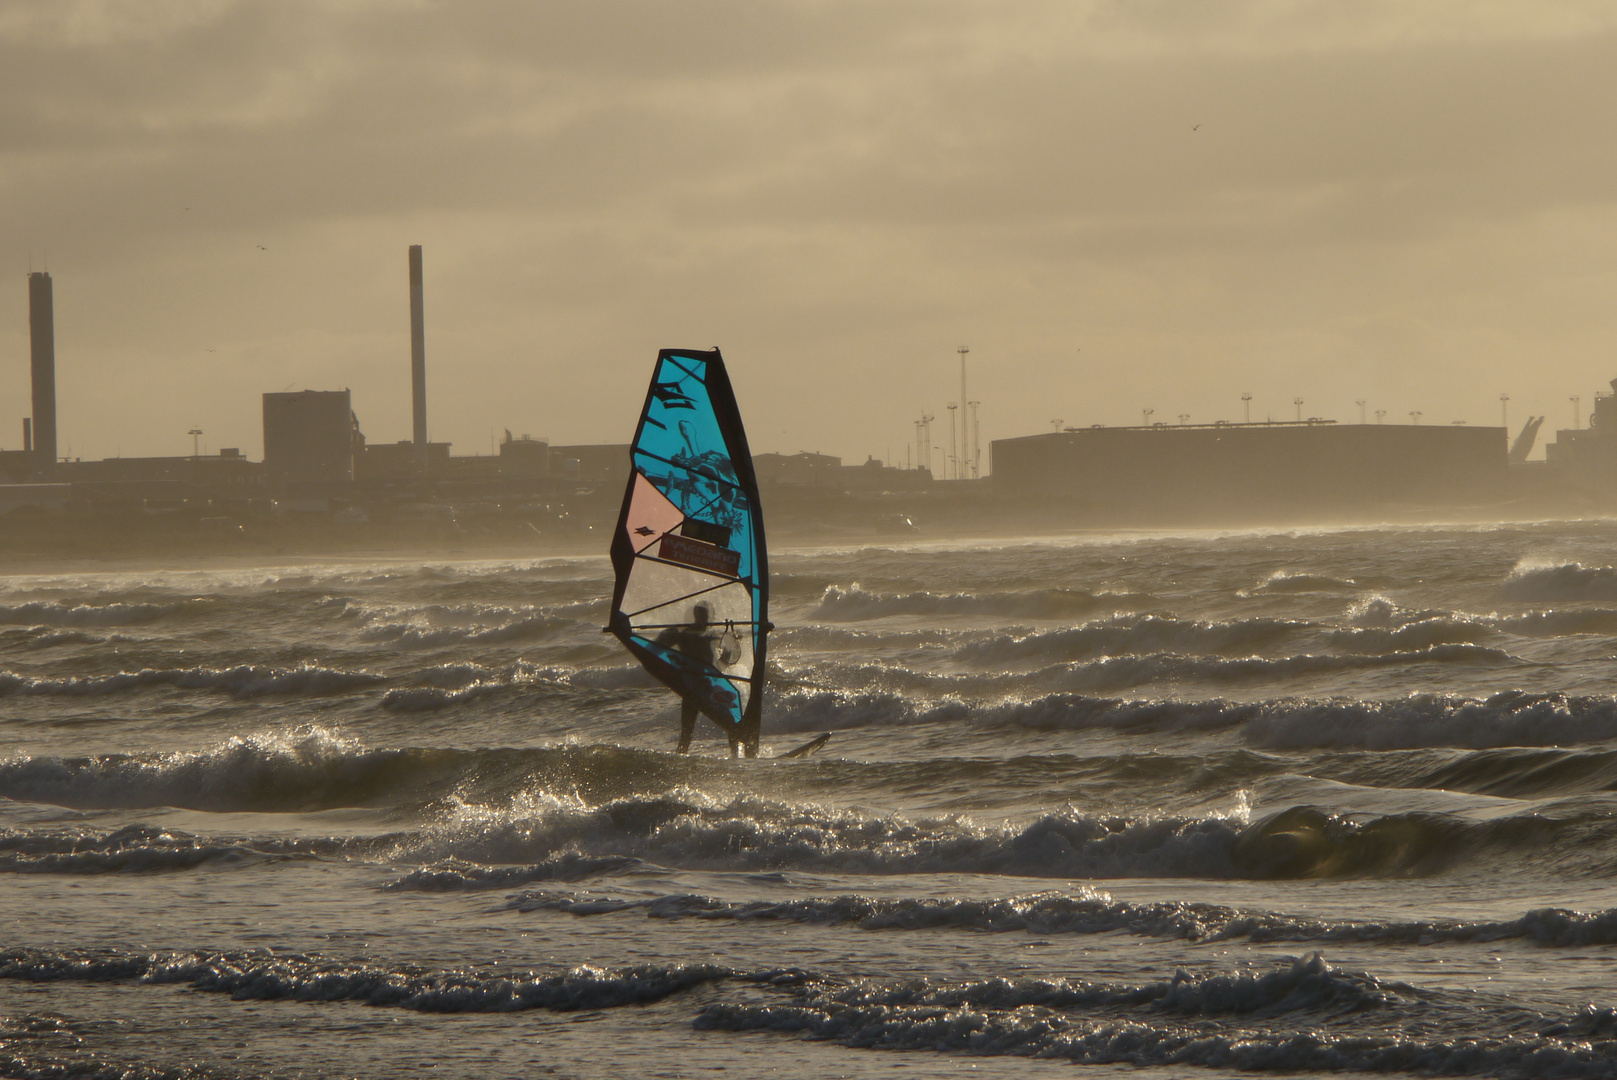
(42, 339)
(418, 356)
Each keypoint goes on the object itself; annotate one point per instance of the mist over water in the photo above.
(1334, 801)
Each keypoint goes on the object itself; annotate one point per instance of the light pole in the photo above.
(976, 438)
(1184, 418)
(954, 453)
(1246, 402)
(1577, 415)
(1146, 414)
(1299, 403)
(1360, 404)
(1381, 414)
(1055, 425)
(196, 441)
(1414, 417)
(1504, 411)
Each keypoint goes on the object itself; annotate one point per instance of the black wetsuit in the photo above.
(697, 642)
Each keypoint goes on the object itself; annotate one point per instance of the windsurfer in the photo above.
(696, 641)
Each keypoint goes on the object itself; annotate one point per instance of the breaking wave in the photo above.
(1124, 635)
(52, 613)
(1540, 582)
(749, 834)
(260, 975)
(1510, 718)
(142, 849)
(241, 681)
(1174, 1023)
(457, 684)
(853, 603)
(1088, 912)
(1287, 582)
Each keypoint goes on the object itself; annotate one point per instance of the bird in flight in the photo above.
(261, 247)
(1196, 128)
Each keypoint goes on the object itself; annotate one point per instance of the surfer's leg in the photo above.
(749, 737)
(687, 724)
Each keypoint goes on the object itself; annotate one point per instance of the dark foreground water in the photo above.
(1334, 802)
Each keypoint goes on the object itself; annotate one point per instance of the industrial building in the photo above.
(1586, 458)
(526, 457)
(803, 471)
(309, 437)
(1233, 469)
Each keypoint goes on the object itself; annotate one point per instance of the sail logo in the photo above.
(701, 556)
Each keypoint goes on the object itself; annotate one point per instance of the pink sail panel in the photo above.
(650, 514)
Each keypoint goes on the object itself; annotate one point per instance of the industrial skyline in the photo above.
(960, 458)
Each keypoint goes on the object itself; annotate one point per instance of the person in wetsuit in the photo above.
(698, 642)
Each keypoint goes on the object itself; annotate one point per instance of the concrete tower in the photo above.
(42, 340)
(418, 356)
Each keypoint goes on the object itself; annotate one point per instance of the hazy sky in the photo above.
(1115, 205)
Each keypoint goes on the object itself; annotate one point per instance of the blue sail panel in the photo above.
(692, 591)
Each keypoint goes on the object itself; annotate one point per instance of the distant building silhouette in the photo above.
(1316, 466)
(309, 437)
(1586, 458)
(525, 457)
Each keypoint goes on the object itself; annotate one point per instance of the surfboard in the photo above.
(690, 598)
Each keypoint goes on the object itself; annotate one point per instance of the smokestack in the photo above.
(418, 356)
(42, 339)
(27, 435)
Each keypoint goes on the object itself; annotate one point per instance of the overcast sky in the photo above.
(1115, 205)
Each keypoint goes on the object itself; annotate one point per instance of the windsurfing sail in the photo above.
(691, 599)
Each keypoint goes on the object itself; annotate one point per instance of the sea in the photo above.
(1321, 802)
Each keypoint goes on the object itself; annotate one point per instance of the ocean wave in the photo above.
(457, 684)
(307, 768)
(747, 833)
(1535, 581)
(1419, 634)
(1125, 635)
(691, 831)
(1290, 582)
(1172, 1024)
(1113, 674)
(1306, 984)
(53, 613)
(1559, 623)
(49, 637)
(853, 603)
(1507, 719)
(418, 636)
(260, 975)
(141, 849)
(568, 866)
(1088, 911)
(241, 681)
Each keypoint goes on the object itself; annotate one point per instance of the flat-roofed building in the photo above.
(1236, 467)
(309, 437)
(525, 457)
